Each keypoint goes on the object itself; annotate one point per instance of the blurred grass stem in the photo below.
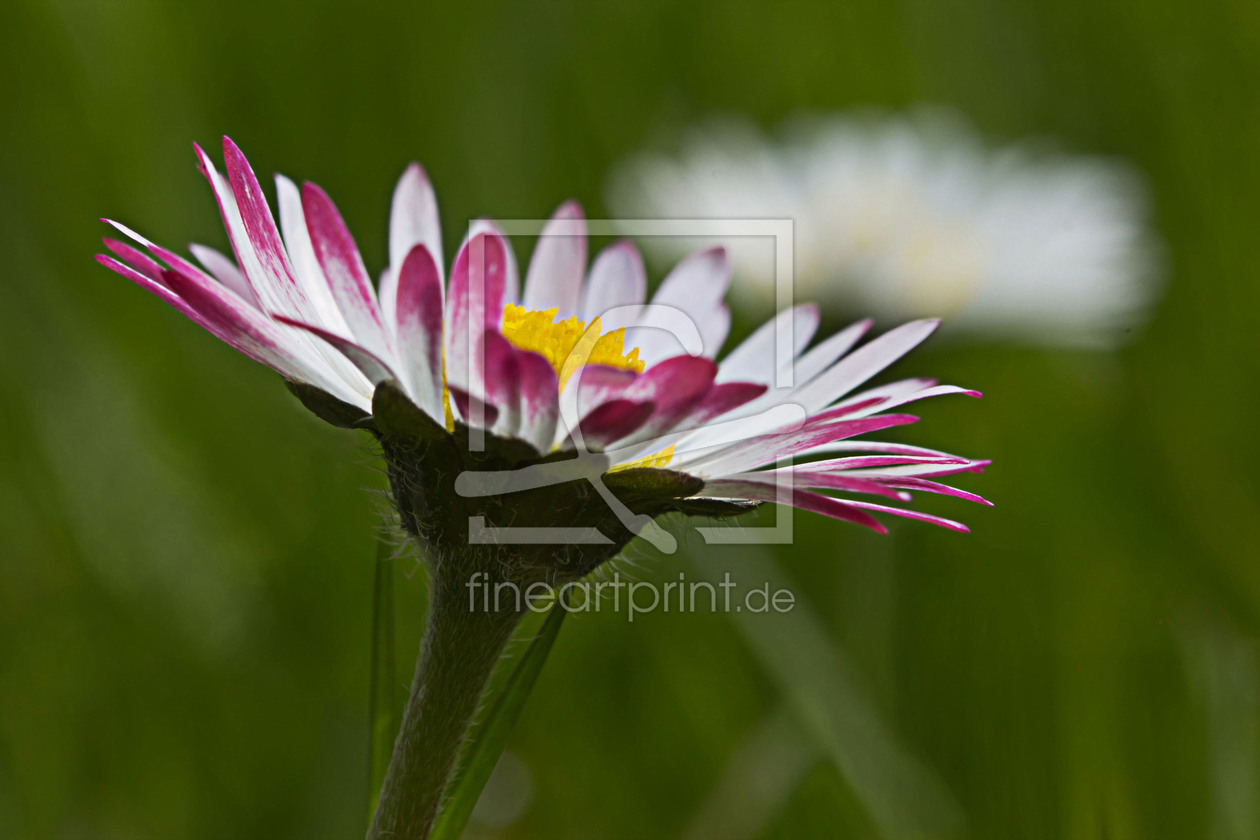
(383, 704)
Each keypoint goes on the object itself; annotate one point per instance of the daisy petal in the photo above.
(617, 279)
(691, 293)
(824, 481)
(239, 325)
(227, 317)
(696, 283)
(891, 390)
(559, 262)
(722, 398)
(225, 271)
(347, 277)
(814, 502)
(803, 370)
(754, 360)
(763, 425)
(750, 454)
(597, 384)
(306, 268)
(934, 470)
(888, 448)
(511, 275)
(259, 281)
(676, 386)
(376, 369)
(413, 217)
(474, 304)
(503, 382)
(714, 329)
(590, 387)
(473, 410)
(913, 514)
(863, 363)
(862, 461)
(158, 288)
(611, 422)
(171, 258)
(923, 394)
(135, 259)
(540, 407)
(268, 252)
(927, 486)
(419, 329)
(413, 220)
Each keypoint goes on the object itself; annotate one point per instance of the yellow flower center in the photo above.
(567, 344)
(658, 460)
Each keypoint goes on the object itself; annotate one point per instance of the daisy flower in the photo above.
(531, 429)
(906, 216)
(571, 376)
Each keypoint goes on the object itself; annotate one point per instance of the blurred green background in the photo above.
(186, 555)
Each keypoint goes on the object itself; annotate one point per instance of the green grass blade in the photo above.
(383, 694)
(831, 706)
(492, 735)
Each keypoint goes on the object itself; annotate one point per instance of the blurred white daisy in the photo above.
(908, 216)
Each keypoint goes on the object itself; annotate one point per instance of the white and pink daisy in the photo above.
(531, 430)
(572, 366)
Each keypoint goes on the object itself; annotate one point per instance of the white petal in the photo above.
(223, 269)
(617, 278)
(512, 277)
(297, 241)
(754, 360)
(413, 220)
(559, 263)
(694, 289)
(862, 364)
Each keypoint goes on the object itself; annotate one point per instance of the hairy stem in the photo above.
(461, 646)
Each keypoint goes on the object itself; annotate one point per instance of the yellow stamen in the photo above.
(446, 398)
(567, 344)
(659, 460)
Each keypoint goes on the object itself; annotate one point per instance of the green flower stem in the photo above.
(461, 646)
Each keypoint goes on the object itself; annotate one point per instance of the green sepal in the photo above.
(649, 484)
(712, 508)
(498, 453)
(397, 416)
(328, 408)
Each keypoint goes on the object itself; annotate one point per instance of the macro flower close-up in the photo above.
(533, 421)
(495, 402)
(566, 363)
